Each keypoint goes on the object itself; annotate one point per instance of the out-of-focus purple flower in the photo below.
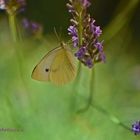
(35, 26)
(30, 26)
(21, 2)
(25, 23)
(86, 3)
(136, 127)
(13, 6)
(2, 5)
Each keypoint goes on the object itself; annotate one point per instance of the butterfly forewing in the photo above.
(63, 68)
(42, 70)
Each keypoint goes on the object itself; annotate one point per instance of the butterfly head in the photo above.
(63, 44)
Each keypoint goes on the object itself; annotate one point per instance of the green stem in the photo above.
(14, 34)
(80, 36)
(112, 117)
(91, 90)
(78, 73)
(12, 24)
(19, 31)
(80, 29)
(16, 38)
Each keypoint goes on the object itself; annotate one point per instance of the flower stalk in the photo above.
(85, 34)
(80, 30)
(13, 27)
(12, 8)
(112, 117)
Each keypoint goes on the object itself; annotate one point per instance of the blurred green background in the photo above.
(47, 112)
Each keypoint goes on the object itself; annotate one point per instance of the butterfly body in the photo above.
(57, 66)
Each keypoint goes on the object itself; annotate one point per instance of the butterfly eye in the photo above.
(47, 70)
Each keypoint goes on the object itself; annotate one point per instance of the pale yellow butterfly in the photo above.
(57, 66)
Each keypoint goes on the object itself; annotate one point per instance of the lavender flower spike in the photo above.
(84, 32)
(12, 6)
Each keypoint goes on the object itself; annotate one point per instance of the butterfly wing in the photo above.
(43, 68)
(63, 68)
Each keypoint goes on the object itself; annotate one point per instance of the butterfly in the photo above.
(57, 66)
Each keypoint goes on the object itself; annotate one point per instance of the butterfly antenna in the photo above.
(57, 36)
(69, 41)
(61, 33)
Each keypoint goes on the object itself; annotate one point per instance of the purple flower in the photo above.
(92, 25)
(136, 127)
(99, 46)
(102, 57)
(97, 31)
(72, 31)
(89, 63)
(81, 52)
(75, 41)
